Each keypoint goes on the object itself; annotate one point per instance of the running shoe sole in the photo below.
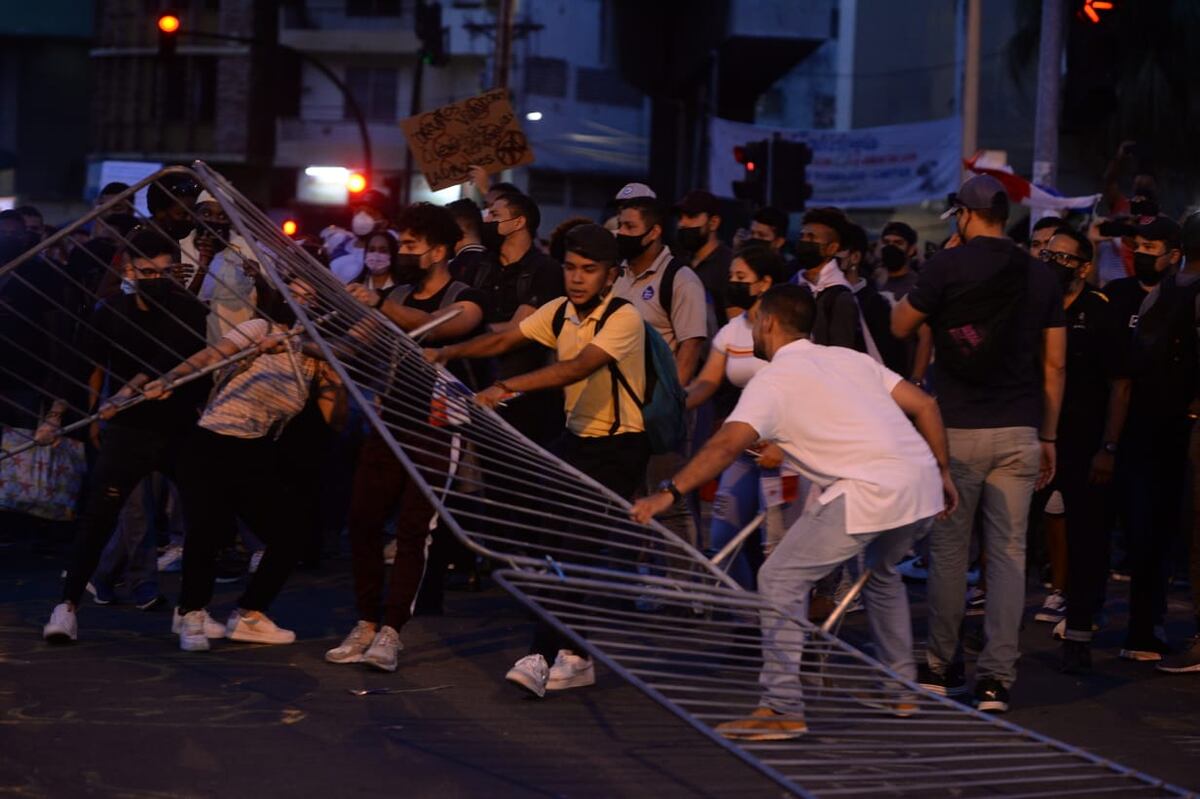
(579, 680)
(992, 706)
(1141, 655)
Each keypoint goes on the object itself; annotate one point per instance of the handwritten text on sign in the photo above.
(481, 131)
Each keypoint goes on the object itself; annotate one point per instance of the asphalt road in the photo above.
(125, 713)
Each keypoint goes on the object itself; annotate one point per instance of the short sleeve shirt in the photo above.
(1011, 396)
(589, 402)
(736, 342)
(688, 317)
(831, 411)
(1098, 351)
(504, 291)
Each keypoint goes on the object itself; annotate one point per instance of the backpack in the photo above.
(663, 405)
(454, 289)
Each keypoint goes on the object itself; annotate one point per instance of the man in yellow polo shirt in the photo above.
(595, 335)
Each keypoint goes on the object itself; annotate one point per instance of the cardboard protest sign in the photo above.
(481, 131)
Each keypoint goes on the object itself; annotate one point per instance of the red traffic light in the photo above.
(290, 227)
(356, 182)
(168, 23)
(1092, 8)
(750, 167)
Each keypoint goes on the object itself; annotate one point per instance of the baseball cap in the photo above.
(634, 191)
(593, 242)
(698, 201)
(900, 229)
(978, 193)
(1158, 228)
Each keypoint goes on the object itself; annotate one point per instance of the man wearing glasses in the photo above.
(1095, 404)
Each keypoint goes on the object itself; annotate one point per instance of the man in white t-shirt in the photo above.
(840, 419)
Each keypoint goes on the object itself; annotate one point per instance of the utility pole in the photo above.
(1049, 93)
(504, 35)
(970, 90)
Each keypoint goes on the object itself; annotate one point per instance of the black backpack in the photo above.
(970, 334)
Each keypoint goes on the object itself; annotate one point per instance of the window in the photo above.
(605, 86)
(375, 90)
(546, 76)
(372, 8)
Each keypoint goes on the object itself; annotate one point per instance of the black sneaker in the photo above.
(1150, 649)
(990, 696)
(943, 683)
(1076, 657)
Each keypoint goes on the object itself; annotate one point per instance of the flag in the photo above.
(1031, 194)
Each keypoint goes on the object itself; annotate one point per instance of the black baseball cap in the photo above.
(699, 201)
(593, 242)
(979, 193)
(1158, 228)
(900, 229)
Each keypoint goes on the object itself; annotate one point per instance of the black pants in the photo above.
(126, 456)
(222, 478)
(1089, 508)
(1157, 475)
(616, 462)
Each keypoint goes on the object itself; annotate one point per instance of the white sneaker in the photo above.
(63, 627)
(389, 553)
(192, 637)
(260, 630)
(384, 653)
(570, 671)
(355, 645)
(212, 627)
(531, 674)
(1054, 609)
(171, 560)
(255, 559)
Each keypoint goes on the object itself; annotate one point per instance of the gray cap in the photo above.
(634, 191)
(979, 193)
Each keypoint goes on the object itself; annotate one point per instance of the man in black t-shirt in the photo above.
(999, 370)
(696, 236)
(522, 281)
(1095, 403)
(427, 235)
(135, 337)
(470, 256)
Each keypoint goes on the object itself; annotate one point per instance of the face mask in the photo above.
(738, 295)
(128, 286)
(408, 267)
(809, 255)
(377, 262)
(156, 289)
(893, 258)
(630, 247)
(691, 239)
(363, 224)
(177, 229)
(1065, 275)
(1143, 268)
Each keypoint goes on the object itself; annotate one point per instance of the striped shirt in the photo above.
(263, 393)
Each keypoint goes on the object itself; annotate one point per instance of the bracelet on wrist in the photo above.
(1045, 440)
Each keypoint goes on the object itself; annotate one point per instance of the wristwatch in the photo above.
(672, 489)
(1110, 447)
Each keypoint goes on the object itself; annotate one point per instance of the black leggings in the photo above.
(223, 478)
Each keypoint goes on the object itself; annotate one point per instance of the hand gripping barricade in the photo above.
(566, 545)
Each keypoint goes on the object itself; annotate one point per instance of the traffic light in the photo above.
(168, 34)
(1092, 9)
(290, 227)
(431, 33)
(356, 183)
(790, 188)
(755, 159)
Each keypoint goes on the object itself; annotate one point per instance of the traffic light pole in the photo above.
(1045, 126)
(351, 103)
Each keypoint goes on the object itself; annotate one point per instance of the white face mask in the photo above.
(377, 262)
(362, 223)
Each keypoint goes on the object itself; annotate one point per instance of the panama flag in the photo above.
(1027, 192)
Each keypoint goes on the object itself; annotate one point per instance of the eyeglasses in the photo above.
(1062, 258)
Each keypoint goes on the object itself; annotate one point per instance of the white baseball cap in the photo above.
(633, 191)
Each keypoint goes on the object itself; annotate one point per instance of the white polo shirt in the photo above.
(830, 410)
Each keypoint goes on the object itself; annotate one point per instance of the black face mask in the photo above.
(892, 258)
(408, 269)
(630, 247)
(1143, 268)
(156, 289)
(490, 236)
(1065, 275)
(177, 229)
(737, 295)
(690, 239)
(809, 255)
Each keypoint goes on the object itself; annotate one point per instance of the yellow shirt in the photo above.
(589, 402)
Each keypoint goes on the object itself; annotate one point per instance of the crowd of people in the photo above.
(919, 414)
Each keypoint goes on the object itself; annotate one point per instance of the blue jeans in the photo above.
(994, 470)
(815, 545)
